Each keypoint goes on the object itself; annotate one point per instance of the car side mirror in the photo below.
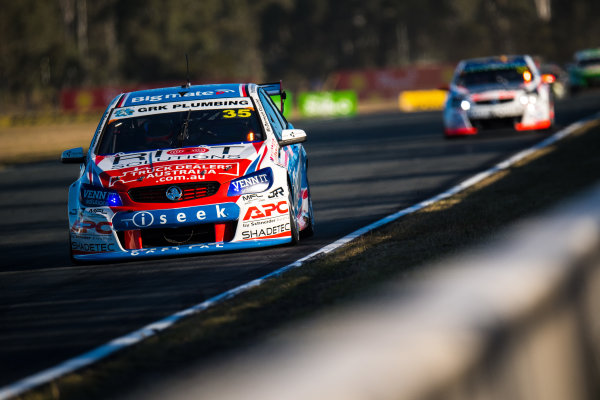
(73, 156)
(292, 136)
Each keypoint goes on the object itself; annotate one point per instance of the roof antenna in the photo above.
(187, 66)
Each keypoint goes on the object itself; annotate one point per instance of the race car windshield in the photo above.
(491, 76)
(181, 129)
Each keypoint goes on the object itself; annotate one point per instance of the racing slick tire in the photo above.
(293, 223)
(73, 260)
(310, 229)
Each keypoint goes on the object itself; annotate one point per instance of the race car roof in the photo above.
(178, 93)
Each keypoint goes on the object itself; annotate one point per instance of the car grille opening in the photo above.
(495, 123)
(204, 233)
(186, 235)
(158, 194)
(494, 101)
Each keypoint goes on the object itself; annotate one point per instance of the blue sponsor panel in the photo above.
(177, 217)
(184, 249)
(255, 182)
(173, 94)
(94, 196)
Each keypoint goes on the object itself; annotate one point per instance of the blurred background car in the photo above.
(497, 92)
(585, 72)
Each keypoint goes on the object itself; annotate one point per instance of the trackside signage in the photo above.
(328, 104)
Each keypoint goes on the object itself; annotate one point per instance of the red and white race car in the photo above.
(495, 92)
(189, 169)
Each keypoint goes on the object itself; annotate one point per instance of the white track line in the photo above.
(152, 329)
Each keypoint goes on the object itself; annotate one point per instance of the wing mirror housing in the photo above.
(73, 156)
(292, 136)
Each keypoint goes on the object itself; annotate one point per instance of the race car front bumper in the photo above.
(99, 234)
(523, 112)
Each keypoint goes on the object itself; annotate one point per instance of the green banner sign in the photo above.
(328, 104)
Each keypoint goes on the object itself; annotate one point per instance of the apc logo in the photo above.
(102, 228)
(142, 219)
(266, 210)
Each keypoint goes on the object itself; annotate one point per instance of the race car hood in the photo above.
(124, 171)
(475, 89)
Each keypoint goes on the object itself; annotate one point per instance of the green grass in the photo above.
(398, 250)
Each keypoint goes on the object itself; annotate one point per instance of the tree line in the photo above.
(49, 45)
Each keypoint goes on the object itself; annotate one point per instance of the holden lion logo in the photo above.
(174, 193)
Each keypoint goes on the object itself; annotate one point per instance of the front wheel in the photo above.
(310, 229)
(293, 223)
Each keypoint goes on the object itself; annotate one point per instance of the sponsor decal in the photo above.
(266, 210)
(241, 104)
(262, 222)
(263, 115)
(152, 108)
(274, 150)
(211, 104)
(176, 172)
(102, 211)
(176, 248)
(193, 150)
(84, 226)
(504, 110)
(161, 97)
(267, 231)
(92, 196)
(129, 160)
(124, 112)
(176, 217)
(276, 193)
(84, 247)
(256, 182)
(251, 198)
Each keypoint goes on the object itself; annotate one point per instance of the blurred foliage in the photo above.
(48, 45)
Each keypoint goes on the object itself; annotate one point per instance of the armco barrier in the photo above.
(518, 319)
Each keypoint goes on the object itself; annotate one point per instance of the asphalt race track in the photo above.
(360, 170)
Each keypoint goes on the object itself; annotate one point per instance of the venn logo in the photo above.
(192, 150)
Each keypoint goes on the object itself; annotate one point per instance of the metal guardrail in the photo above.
(518, 318)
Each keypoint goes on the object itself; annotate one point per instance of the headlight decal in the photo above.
(255, 182)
